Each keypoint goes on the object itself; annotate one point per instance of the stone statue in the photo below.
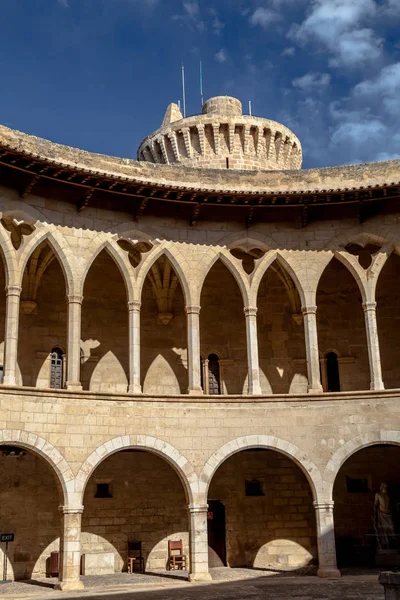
(383, 520)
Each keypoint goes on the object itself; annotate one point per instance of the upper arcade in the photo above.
(222, 137)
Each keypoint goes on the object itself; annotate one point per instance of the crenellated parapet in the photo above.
(222, 138)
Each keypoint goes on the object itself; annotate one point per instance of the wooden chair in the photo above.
(135, 557)
(176, 558)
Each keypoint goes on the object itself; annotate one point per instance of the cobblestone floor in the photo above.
(228, 584)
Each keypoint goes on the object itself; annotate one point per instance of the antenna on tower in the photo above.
(183, 90)
(250, 107)
(201, 85)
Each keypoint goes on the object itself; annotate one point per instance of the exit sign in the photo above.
(6, 537)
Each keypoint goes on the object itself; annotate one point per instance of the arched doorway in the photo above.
(281, 346)
(105, 334)
(354, 494)
(341, 325)
(223, 330)
(163, 331)
(261, 513)
(30, 494)
(388, 320)
(132, 496)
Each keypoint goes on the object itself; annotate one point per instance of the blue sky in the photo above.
(99, 74)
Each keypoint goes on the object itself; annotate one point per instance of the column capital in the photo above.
(250, 311)
(309, 310)
(71, 510)
(324, 505)
(74, 299)
(134, 306)
(192, 309)
(197, 508)
(13, 290)
(369, 306)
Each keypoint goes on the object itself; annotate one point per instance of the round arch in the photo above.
(171, 455)
(42, 448)
(266, 442)
(389, 437)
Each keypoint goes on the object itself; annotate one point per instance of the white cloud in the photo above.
(221, 56)
(192, 9)
(191, 16)
(63, 3)
(339, 27)
(312, 81)
(288, 51)
(263, 17)
(385, 89)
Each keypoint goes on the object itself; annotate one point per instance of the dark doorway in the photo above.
(216, 533)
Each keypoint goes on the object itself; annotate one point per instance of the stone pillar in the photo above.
(74, 343)
(198, 541)
(206, 383)
(134, 348)
(310, 332)
(391, 584)
(70, 549)
(326, 540)
(373, 346)
(13, 294)
(193, 337)
(253, 369)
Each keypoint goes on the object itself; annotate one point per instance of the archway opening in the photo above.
(30, 494)
(281, 343)
(358, 516)
(43, 318)
(132, 496)
(388, 318)
(261, 513)
(105, 334)
(341, 325)
(163, 331)
(222, 328)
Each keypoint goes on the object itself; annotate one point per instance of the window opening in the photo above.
(56, 368)
(332, 372)
(253, 487)
(358, 485)
(103, 490)
(1, 373)
(214, 384)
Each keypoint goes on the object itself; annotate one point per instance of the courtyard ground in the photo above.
(227, 584)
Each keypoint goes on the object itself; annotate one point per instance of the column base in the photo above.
(74, 386)
(315, 390)
(376, 385)
(195, 577)
(198, 392)
(135, 389)
(329, 573)
(9, 380)
(69, 586)
(256, 391)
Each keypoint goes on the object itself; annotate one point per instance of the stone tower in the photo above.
(222, 138)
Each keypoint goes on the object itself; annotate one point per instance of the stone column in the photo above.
(253, 369)
(373, 346)
(310, 332)
(74, 343)
(70, 549)
(326, 540)
(198, 541)
(206, 385)
(193, 337)
(13, 294)
(134, 348)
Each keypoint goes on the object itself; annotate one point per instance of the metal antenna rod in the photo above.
(183, 90)
(201, 85)
(250, 107)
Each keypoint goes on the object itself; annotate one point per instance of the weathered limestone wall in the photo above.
(274, 530)
(148, 504)
(29, 501)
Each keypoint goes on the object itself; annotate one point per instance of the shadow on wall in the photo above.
(134, 496)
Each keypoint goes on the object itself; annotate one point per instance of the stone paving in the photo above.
(228, 584)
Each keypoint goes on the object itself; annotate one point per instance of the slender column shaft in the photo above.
(70, 549)
(193, 337)
(13, 295)
(326, 540)
(198, 540)
(134, 348)
(310, 332)
(373, 346)
(253, 369)
(74, 343)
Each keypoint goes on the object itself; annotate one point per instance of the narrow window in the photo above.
(56, 368)
(253, 487)
(214, 383)
(1, 373)
(103, 490)
(227, 162)
(332, 372)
